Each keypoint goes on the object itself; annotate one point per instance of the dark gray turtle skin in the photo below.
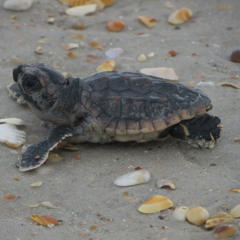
(111, 106)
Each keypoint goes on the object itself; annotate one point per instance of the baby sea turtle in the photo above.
(111, 106)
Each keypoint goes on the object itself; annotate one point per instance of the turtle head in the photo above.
(40, 87)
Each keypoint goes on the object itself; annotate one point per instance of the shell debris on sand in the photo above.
(133, 178)
(180, 16)
(108, 65)
(17, 5)
(162, 72)
(81, 10)
(224, 231)
(218, 219)
(162, 183)
(155, 204)
(180, 213)
(197, 215)
(235, 212)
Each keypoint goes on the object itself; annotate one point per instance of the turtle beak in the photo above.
(17, 71)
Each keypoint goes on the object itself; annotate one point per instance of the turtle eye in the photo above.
(31, 85)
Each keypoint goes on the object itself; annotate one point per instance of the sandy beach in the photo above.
(89, 205)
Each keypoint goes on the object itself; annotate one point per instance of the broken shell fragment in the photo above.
(162, 72)
(114, 53)
(180, 16)
(155, 204)
(133, 178)
(197, 215)
(36, 184)
(47, 204)
(162, 183)
(115, 26)
(235, 212)
(217, 219)
(235, 56)
(81, 10)
(54, 157)
(148, 21)
(109, 65)
(224, 231)
(180, 213)
(11, 136)
(44, 220)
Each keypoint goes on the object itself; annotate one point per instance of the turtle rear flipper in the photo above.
(202, 131)
(35, 155)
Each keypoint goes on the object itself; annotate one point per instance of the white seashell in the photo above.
(11, 136)
(162, 183)
(235, 212)
(180, 213)
(81, 10)
(162, 72)
(142, 58)
(114, 53)
(17, 5)
(36, 184)
(197, 215)
(133, 178)
(47, 204)
(205, 84)
(14, 121)
(180, 16)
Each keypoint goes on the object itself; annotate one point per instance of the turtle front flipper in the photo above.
(202, 131)
(35, 155)
(14, 91)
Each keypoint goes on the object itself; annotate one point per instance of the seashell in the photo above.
(235, 212)
(81, 10)
(155, 204)
(11, 136)
(197, 215)
(133, 178)
(162, 72)
(70, 46)
(180, 213)
(235, 190)
(141, 58)
(162, 183)
(47, 204)
(228, 84)
(17, 5)
(235, 56)
(109, 65)
(14, 121)
(96, 44)
(36, 184)
(115, 26)
(217, 219)
(148, 21)
(224, 231)
(74, 3)
(38, 50)
(9, 196)
(114, 53)
(44, 220)
(180, 16)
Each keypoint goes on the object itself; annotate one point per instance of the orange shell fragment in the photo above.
(148, 21)
(115, 26)
(44, 220)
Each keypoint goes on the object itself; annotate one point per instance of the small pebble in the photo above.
(235, 57)
(17, 5)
